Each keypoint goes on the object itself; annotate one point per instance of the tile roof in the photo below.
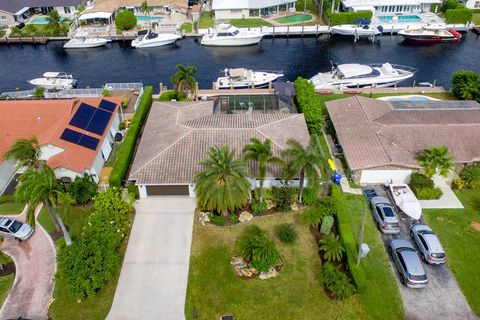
(177, 136)
(46, 119)
(112, 5)
(14, 6)
(376, 133)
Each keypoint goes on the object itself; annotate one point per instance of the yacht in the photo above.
(241, 78)
(229, 36)
(430, 33)
(85, 42)
(54, 81)
(151, 39)
(353, 75)
(356, 30)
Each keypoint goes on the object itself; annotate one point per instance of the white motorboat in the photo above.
(85, 42)
(354, 75)
(241, 78)
(430, 33)
(356, 30)
(405, 200)
(151, 39)
(229, 36)
(54, 80)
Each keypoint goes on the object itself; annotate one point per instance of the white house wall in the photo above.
(232, 14)
(65, 173)
(7, 170)
(97, 165)
(385, 176)
(6, 18)
(471, 4)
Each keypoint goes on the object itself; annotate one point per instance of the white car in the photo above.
(15, 229)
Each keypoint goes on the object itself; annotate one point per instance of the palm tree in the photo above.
(42, 186)
(305, 161)
(83, 189)
(332, 248)
(146, 9)
(54, 19)
(222, 185)
(436, 160)
(261, 153)
(183, 79)
(25, 153)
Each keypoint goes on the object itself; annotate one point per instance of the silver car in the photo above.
(15, 229)
(408, 263)
(384, 215)
(431, 249)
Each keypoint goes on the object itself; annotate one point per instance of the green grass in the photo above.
(461, 242)
(297, 293)
(300, 4)
(5, 285)
(186, 27)
(40, 30)
(114, 156)
(206, 20)
(250, 23)
(476, 18)
(2, 33)
(11, 208)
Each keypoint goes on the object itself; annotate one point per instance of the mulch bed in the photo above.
(7, 269)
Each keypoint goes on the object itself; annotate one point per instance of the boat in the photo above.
(355, 30)
(54, 80)
(151, 39)
(354, 75)
(405, 200)
(241, 78)
(227, 35)
(430, 33)
(85, 42)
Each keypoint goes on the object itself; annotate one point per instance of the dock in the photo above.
(24, 40)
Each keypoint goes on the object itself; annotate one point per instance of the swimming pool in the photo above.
(408, 98)
(389, 19)
(147, 18)
(294, 18)
(44, 20)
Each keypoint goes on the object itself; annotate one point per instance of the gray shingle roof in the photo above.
(14, 6)
(177, 136)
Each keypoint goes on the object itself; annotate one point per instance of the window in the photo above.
(477, 4)
(254, 13)
(422, 240)
(282, 7)
(3, 17)
(380, 215)
(67, 10)
(5, 230)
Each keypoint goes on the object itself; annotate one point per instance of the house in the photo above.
(75, 136)
(13, 11)
(381, 140)
(390, 7)
(472, 4)
(238, 9)
(177, 135)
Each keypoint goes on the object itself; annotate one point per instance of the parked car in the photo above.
(408, 263)
(15, 229)
(384, 215)
(431, 249)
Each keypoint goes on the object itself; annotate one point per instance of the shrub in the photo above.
(125, 101)
(471, 175)
(466, 85)
(122, 125)
(325, 207)
(310, 195)
(459, 184)
(429, 193)
(133, 189)
(332, 248)
(125, 20)
(106, 92)
(286, 232)
(267, 194)
(284, 197)
(172, 95)
(336, 282)
(39, 92)
(327, 223)
(83, 189)
(462, 16)
(258, 207)
(258, 249)
(128, 147)
(217, 219)
(338, 18)
(233, 218)
(310, 105)
(419, 180)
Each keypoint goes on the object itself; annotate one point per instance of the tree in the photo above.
(54, 19)
(466, 85)
(261, 153)
(83, 189)
(125, 20)
(183, 79)
(436, 160)
(332, 248)
(222, 185)
(42, 186)
(146, 9)
(305, 161)
(39, 92)
(25, 153)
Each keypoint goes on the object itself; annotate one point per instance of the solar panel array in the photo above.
(80, 139)
(91, 119)
(107, 105)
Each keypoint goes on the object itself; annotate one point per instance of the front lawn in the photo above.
(476, 18)
(11, 208)
(250, 23)
(300, 5)
(461, 242)
(186, 27)
(206, 20)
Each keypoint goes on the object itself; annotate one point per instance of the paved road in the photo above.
(442, 299)
(153, 280)
(33, 286)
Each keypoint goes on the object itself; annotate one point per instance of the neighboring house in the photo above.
(13, 11)
(472, 4)
(177, 136)
(238, 9)
(67, 148)
(389, 6)
(381, 140)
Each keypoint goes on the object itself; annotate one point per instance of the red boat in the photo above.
(431, 33)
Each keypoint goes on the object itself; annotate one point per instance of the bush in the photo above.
(125, 101)
(233, 218)
(451, 4)
(310, 105)
(128, 147)
(39, 92)
(267, 194)
(284, 197)
(461, 16)
(310, 195)
(125, 20)
(419, 180)
(327, 223)
(122, 125)
(466, 85)
(83, 189)
(258, 207)
(256, 248)
(325, 207)
(429, 193)
(286, 232)
(471, 176)
(338, 18)
(332, 248)
(133, 189)
(106, 92)
(172, 95)
(337, 282)
(217, 219)
(459, 184)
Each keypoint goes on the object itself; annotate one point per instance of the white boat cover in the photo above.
(354, 69)
(95, 15)
(406, 200)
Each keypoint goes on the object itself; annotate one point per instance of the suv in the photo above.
(15, 229)
(427, 242)
(408, 263)
(385, 216)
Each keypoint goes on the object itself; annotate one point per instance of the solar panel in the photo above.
(80, 139)
(82, 117)
(71, 136)
(99, 122)
(107, 105)
(89, 142)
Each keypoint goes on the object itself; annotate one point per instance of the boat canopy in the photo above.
(237, 72)
(95, 15)
(350, 70)
(53, 74)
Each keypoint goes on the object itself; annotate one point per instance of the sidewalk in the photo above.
(448, 200)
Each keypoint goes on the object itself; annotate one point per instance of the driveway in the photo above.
(32, 289)
(153, 280)
(442, 298)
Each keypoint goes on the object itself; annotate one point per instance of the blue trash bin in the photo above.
(337, 177)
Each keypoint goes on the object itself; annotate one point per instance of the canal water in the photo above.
(117, 62)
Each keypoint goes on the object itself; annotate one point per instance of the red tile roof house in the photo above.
(49, 121)
(177, 136)
(381, 140)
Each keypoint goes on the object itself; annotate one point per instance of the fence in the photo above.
(282, 31)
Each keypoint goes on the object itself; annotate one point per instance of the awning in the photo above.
(364, 8)
(21, 11)
(95, 15)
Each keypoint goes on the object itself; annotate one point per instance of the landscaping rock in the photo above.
(203, 218)
(238, 262)
(475, 225)
(246, 272)
(245, 216)
(294, 207)
(272, 273)
(270, 204)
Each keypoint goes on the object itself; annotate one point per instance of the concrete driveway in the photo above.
(153, 280)
(442, 298)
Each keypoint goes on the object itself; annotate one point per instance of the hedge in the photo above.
(348, 240)
(127, 149)
(461, 16)
(310, 105)
(338, 18)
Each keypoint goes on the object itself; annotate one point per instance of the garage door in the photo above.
(171, 190)
(384, 176)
